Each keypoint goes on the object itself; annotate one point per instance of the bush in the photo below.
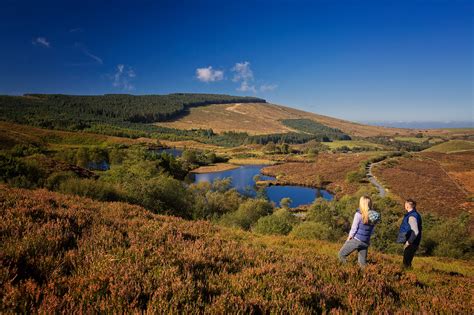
(335, 214)
(162, 194)
(313, 230)
(355, 176)
(285, 202)
(55, 179)
(93, 157)
(21, 150)
(20, 173)
(281, 223)
(211, 201)
(448, 237)
(90, 188)
(247, 214)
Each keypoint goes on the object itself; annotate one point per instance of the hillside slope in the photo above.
(452, 146)
(263, 118)
(62, 254)
(14, 134)
(440, 183)
(76, 112)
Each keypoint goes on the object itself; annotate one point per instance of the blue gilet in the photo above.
(364, 231)
(405, 228)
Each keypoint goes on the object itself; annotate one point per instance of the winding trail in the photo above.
(374, 181)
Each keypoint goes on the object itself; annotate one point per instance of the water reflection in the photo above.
(243, 182)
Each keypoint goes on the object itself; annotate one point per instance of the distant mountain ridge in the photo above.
(422, 124)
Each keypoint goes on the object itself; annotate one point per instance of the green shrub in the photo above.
(285, 202)
(247, 214)
(55, 179)
(211, 201)
(21, 150)
(162, 194)
(313, 230)
(448, 237)
(20, 173)
(335, 214)
(355, 176)
(281, 222)
(90, 188)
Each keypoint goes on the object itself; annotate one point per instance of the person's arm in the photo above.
(414, 230)
(355, 224)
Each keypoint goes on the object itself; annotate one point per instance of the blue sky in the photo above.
(359, 60)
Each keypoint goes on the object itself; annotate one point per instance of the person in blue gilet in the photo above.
(410, 232)
(362, 228)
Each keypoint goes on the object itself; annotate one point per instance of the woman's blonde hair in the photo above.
(365, 204)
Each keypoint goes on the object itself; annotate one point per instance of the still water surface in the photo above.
(243, 182)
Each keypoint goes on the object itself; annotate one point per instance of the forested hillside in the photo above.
(79, 112)
(312, 127)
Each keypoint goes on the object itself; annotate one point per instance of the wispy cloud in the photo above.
(93, 58)
(122, 77)
(87, 53)
(268, 87)
(244, 74)
(41, 41)
(209, 75)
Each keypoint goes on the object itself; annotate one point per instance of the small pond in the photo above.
(243, 182)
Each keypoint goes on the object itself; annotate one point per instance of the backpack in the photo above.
(374, 217)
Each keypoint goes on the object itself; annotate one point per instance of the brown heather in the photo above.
(440, 183)
(68, 254)
(327, 168)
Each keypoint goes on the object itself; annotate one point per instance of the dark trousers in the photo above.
(408, 255)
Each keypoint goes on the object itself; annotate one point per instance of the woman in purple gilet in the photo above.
(359, 235)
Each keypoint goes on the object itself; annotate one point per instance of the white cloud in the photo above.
(41, 41)
(244, 75)
(268, 87)
(245, 87)
(209, 75)
(123, 76)
(242, 72)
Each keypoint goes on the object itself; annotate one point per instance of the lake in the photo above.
(243, 182)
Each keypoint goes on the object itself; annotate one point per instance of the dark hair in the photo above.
(411, 202)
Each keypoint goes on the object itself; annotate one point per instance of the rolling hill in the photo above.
(133, 116)
(452, 146)
(264, 118)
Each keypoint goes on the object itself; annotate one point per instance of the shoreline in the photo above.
(215, 168)
(230, 165)
(280, 182)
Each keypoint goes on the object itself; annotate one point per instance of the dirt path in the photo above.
(374, 181)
